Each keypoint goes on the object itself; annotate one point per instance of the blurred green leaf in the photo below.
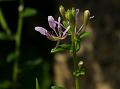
(5, 84)
(37, 84)
(57, 87)
(29, 12)
(4, 23)
(46, 79)
(85, 34)
(4, 36)
(12, 56)
(34, 62)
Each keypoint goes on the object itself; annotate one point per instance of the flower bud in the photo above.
(20, 8)
(70, 15)
(62, 10)
(86, 17)
(80, 64)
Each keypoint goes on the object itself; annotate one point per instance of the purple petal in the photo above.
(42, 30)
(51, 22)
(77, 18)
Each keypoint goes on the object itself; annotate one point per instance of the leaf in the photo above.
(55, 50)
(3, 36)
(34, 62)
(29, 12)
(37, 84)
(4, 23)
(5, 84)
(61, 47)
(65, 46)
(65, 23)
(57, 87)
(85, 34)
(77, 45)
(12, 56)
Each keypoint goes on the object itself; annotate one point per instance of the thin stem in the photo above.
(17, 48)
(73, 37)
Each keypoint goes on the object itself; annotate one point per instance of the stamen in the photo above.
(80, 29)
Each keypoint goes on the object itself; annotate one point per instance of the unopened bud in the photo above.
(20, 8)
(80, 64)
(70, 15)
(86, 17)
(62, 10)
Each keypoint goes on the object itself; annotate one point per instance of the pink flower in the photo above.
(57, 33)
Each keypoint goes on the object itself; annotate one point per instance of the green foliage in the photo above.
(11, 57)
(4, 23)
(84, 35)
(5, 84)
(57, 87)
(46, 77)
(3, 36)
(37, 84)
(34, 62)
(77, 45)
(28, 12)
(61, 48)
(79, 73)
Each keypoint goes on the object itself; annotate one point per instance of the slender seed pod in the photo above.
(86, 17)
(62, 11)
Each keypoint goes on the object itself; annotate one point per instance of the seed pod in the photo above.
(86, 17)
(62, 10)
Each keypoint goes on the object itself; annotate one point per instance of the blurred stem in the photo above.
(73, 38)
(4, 23)
(17, 48)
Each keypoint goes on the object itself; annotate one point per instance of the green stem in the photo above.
(77, 80)
(73, 38)
(17, 48)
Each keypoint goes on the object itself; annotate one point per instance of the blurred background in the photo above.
(101, 54)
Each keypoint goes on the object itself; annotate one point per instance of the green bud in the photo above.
(70, 15)
(62, 10)
(86, 17)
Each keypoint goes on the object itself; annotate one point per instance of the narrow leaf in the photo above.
(65, 46)
(57, 87)
(54, 50)
(29, 12)
(4, 23)
(85, 34)
(37, 84)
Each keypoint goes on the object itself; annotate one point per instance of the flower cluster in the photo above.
(60, 30)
